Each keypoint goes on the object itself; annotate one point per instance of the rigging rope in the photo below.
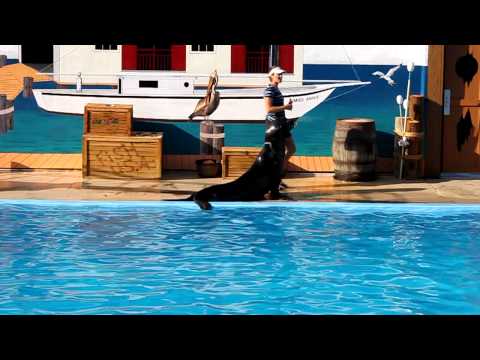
(345, 93)
(41, 70)
(351, 63)
(350, 91)
(60, 58)
(356, 75)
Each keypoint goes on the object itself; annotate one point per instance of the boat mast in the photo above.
(273, 56)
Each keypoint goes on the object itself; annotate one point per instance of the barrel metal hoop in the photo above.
(336, 161)
(212, 136)
(7, 110)
(409, 134)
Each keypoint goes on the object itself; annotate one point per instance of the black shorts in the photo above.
(286, 131)
(285, 127)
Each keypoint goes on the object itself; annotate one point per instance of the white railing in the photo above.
(182, 75)
(80, 76)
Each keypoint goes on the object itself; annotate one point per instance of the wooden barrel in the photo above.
(211, 138)
(354, 150)
(219, 139)
(206, 140)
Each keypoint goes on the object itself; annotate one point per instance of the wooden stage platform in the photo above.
(35, 161)
(40, 161)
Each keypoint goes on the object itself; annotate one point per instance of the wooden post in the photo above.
(206, 131)
(10, 115)
(433, 119)
(3, 60)
(219, 139)
(415, 108)
(27, 86)
(413, 154)
(415, 168)
(3, 117)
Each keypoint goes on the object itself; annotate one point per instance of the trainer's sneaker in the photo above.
(282, 186)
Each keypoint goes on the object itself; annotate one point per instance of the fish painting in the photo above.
(466, 67)
(464, 130)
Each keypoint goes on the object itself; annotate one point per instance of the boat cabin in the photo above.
(149, 84)
(237, 65)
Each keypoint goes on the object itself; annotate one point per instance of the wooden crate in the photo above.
(105, 119)
(237, 160)
(135, 157)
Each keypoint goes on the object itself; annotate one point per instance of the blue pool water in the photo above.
(41, 132)
(255, 258)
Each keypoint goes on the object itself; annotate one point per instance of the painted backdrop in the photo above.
(38, 131)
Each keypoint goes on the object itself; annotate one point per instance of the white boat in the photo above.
(174, 99)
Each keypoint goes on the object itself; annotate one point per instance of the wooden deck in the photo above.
(40, 161)
(170, 162)
(11, 79)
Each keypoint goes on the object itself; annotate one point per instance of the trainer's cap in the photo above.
(276, 70)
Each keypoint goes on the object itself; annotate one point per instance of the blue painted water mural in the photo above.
(38, 131)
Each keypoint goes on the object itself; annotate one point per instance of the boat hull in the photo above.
(233, 107)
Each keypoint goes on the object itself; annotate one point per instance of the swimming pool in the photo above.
(241, 258)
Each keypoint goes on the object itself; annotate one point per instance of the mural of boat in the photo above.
(165, 99)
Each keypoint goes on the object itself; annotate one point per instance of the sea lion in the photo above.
(263, 176)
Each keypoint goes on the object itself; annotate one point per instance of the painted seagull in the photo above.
(388, 75)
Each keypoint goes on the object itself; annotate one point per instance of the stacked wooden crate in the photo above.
(237, 160)
(112, 150)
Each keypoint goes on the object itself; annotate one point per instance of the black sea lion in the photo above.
(263, 176)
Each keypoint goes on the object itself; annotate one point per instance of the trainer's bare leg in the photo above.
(290, 149)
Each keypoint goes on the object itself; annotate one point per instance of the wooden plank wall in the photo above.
(434, 111)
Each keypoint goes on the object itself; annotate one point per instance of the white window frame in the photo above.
(106, 50)
(202, 52)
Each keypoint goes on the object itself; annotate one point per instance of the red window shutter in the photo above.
(239, 59)
(286, 57)
(179, 57)
(129, 57)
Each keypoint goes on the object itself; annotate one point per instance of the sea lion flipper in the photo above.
(203, 204)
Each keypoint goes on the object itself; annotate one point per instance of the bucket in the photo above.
(208, 168)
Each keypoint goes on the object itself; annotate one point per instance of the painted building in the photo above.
(365, 54)
(236, 64)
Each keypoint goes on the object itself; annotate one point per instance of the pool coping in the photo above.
(313, 188)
